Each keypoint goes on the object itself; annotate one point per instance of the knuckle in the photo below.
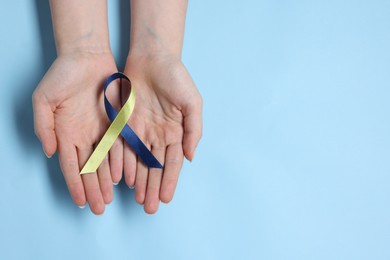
(117, 145)
(105, 180)
(173, 160)
(130, 170)
(36, 97)
(68, 166)
(153, 189)
(71, 164)
(105, 161)
(140, 184)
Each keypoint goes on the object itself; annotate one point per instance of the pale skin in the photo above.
(69, 114)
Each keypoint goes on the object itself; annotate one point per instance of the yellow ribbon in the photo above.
(110, 136)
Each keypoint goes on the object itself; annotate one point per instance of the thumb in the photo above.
(44, 124)
(192, 128)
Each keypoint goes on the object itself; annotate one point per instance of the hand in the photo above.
(69, 114)
(168, 119)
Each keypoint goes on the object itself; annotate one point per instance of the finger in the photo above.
(44, 124)
(69, 165)
(105, 181)
(192, 128)
(91, 184)
(152, 198)
(130, 165)
(141, 180)
(173, 163)
(116, 160)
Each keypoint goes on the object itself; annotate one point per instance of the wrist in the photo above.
(150, 52)
(150, 44)
(150, 61)
(85, 52)
(86, 59)
(157, 28)
(152, 56)
(80, 26)
(85, 47)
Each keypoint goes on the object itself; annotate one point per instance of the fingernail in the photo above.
(131, 187)
(46, 154)
(115, 183)
(193, 156)
(81, 207)
(147, 214)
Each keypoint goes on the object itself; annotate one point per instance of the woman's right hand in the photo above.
(69, 116)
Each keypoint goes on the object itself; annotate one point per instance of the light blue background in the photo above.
(294, 162)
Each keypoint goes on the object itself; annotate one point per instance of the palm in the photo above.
(164, 90)
(88, 117)
(156, 118)
(73, 90)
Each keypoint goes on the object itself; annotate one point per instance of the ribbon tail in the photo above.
(139, 148)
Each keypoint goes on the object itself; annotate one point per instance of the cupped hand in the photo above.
(69, 116)
(168, 119)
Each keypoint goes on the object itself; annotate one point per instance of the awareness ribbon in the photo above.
(119, 126)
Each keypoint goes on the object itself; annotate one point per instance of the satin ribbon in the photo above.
(119, 126)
